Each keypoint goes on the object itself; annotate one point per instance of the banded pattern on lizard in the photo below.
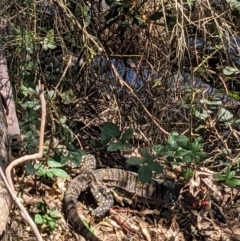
(99, 182)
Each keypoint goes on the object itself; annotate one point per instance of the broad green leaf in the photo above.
(172, 141)
(52, 163)
(144, 174)
(51, 224)
(134, 161)
(155, 16)
(227, 172)
(147, 157)
(30, 168)
(228, 70)
(224, 115)
(49, 174)
(183, 142)
(105, 138)
(111, 130)
(59, 173)
(231, 174)
(38, 219)
(187, 158)
(156, 167)
(41, 172)
(115, 146)
(201, 115)
(233, 182)
(127, 135)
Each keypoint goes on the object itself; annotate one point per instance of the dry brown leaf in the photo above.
(145, 232)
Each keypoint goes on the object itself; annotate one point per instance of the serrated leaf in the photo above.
(144, 174)
(134, 161)
(127, 135)
(52, 163)
(114, 146)
(155, 16)
(58, 172)
(233, 182)
(38, 219)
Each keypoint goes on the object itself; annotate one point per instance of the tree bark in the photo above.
(9, 130)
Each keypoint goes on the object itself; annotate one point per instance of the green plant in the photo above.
(228, 177)
(46, 216)
(180, 149)
(113, 138)
(147, 166)
(51, 170)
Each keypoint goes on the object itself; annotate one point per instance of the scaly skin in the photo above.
(99, 181)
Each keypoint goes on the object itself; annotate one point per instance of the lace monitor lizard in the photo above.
(99, 181)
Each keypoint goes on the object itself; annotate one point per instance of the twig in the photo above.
(23, 211)
(122, 82)
(41, 140)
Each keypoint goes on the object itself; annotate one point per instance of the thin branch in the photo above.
(23, 211)
(38, 155)
(122, 82)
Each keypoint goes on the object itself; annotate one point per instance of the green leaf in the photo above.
(220, 177)
(111, 130)
(105, 138)
(172, 141)
(134, 161)
(127, 135)
(144, 174)
(38, 219)
(51, 224)
(224, 115)
(231, 174)
(49, 174)
(170, 158)
(52, 163)
(232, 182)
(155, 16)
(187, 173)
(201, 154)
(228, 70)
(30, 168)
(156, 167)
(58, 172)
(183, 142)
(187, 158)
(41, 172)
(96, 143)
(42, 207)
(115, 146)
(227, 172)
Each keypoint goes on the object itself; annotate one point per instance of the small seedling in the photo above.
(228, 177)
